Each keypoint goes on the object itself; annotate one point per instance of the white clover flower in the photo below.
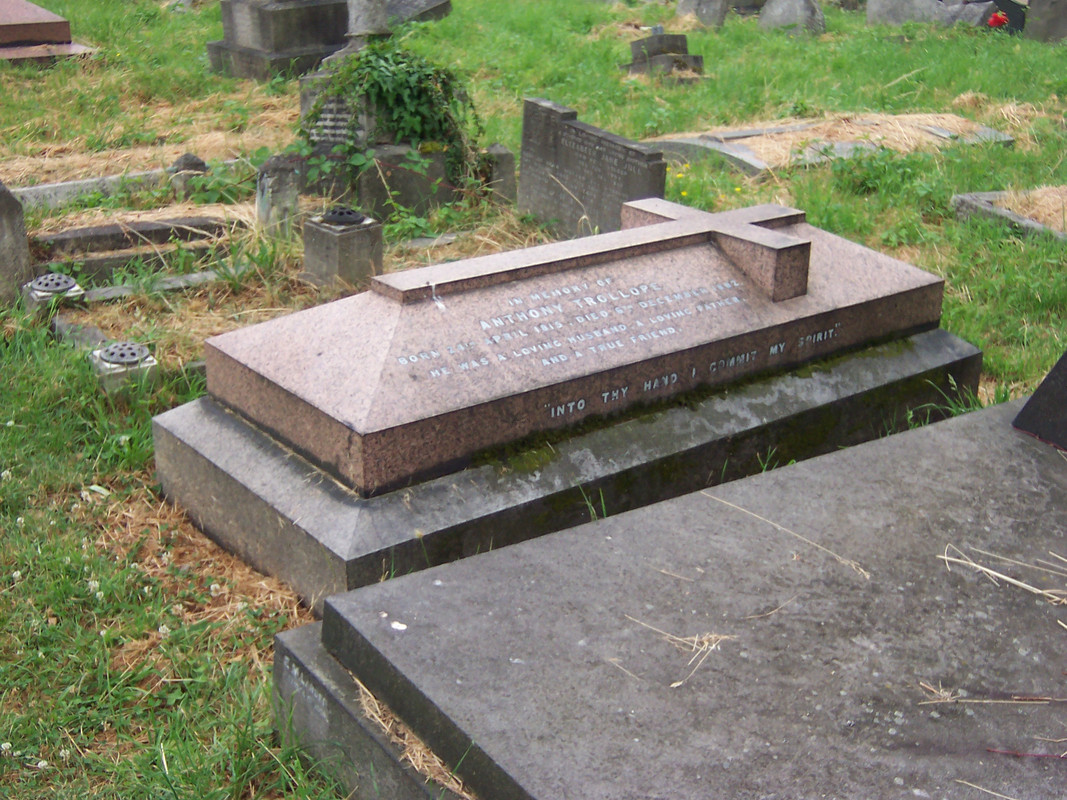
(10, 423)
(94, 585)
(16, 575)
(64, 754)
(163, 631)
(215, 590)
(85, 496)
(42, 764)
(147, 589)
(5, 475)
(20, 521)
(99, 595)
(5, 748)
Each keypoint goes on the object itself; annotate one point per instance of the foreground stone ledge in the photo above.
(548, 669)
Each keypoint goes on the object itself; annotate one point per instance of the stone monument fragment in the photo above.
(433, 365)
(579, 176)
(897, 12)
(663, 53)
(1046, 20)
(264, 37)
(1045, 413)
(795, 15)
(14, 247)
(711, 13)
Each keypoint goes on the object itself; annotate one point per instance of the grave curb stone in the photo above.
(325, 539)
(15, 267)
(982, 205)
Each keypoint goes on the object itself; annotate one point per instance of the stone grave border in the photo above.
(983, 205)
(729, 145)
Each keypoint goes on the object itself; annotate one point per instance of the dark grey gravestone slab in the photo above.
(280, 514)
(1045, 413)
(577, 176)
(572, 666)
(1046, 20)
(14, 247)
(983, 205)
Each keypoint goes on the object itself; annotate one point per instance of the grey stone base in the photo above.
(286, 518)
(317, 706)
(981, 204)
(244, 62)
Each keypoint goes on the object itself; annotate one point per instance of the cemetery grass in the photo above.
(134, 655)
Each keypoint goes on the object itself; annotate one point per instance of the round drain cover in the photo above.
(340, 215)
(52, 283)
(125, 354)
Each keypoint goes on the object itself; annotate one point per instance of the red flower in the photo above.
(997, 19)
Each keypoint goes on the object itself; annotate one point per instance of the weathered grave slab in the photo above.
(852, 662)
(984, 205)
(14, 247)
(1045, 413)
(282, 515)
(576, 176)
(433, 365)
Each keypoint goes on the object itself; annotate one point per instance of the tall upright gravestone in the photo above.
(577, 177)
(14, 247)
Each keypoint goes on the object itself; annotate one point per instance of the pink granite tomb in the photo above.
(432, 365)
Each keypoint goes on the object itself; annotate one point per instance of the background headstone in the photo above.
(14, 248)
(579, 175)
(710, 12)
(1045, 413)
(796, 14)
(1047, 20)
(897, 12)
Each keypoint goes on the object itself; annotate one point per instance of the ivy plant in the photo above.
(409, 98)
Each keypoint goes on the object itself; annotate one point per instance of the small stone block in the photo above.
(349, 253)
(115, 377)
(25, 23)
(775, 262)
(1045, 413)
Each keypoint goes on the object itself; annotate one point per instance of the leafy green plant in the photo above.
(403, 96)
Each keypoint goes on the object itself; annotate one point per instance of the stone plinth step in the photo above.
(257, 498)
(792, 634)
